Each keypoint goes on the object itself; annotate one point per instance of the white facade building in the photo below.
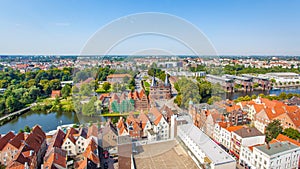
(279, 155)
(203, 150)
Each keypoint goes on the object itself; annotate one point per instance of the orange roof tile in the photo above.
(282, 137)
(233, 128)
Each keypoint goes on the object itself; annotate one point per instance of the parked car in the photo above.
(105, 154)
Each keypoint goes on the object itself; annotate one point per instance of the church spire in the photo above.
(153, 83)
(167, 80)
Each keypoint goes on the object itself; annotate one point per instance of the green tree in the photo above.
(213, 99)
(45, 86)
(66, 91)
(273, 130)
(292, 133)
(282, 96)
(255, 85)
(55, 84)
(2, 106)
(89, 108)
(85, 89)
(12, 104)
(106, 86)
(27, 129)
(34, 92)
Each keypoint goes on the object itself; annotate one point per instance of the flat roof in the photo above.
(277, 147)
(211, 149)
(167, 154)
(248, 132)
(283, 74)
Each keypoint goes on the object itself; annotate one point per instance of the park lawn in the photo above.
(146, 84)
(101, 90)
(117, 114)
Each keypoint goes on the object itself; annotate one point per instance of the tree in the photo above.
(12, 104)
(55, 84)
(273, 81)
(27, 129)
(126, 79)
(89, 108)
(85, 89)
(255, 85)
(34, 92)
(213, 99)
(106, 86)
(273, 130)
(66, 91)
(282, 96)
(292, 133)
(2, 106)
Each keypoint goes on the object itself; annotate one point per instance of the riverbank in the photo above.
(55, 104)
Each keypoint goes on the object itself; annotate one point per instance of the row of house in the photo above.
(154, 125)
(281, 152)
(24, 150)
(36, 150)
(262, 111)
(230, 131)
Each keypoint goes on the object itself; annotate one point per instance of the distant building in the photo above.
(117, 78)
(55, 93)
(160, 91)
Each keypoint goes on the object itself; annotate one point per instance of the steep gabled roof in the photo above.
(17, 140)
(93, 131)
(5, 139)
(70, 135)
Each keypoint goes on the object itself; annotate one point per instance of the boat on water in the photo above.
(275, 88)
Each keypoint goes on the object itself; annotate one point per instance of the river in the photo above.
(48, 121)
(235, 95)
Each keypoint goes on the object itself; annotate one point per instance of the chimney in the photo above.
(248, 130)
(268, 146)
(31, 152)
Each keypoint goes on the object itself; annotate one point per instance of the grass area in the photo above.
(146, 84)
(117, 114)
(50, 104)
(101, 90)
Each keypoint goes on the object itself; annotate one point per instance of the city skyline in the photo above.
(233, 28)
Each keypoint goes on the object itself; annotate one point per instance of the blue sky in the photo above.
(234, 27)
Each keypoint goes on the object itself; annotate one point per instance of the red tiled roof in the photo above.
(232, 108)
(70, 135)
(157, 115)
(258, 107)
(5, 139)
(93, 131)
(233, 128)
(143, 118)
(17, 140)
(282, 138)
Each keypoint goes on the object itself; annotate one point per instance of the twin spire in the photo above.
(154, 81)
